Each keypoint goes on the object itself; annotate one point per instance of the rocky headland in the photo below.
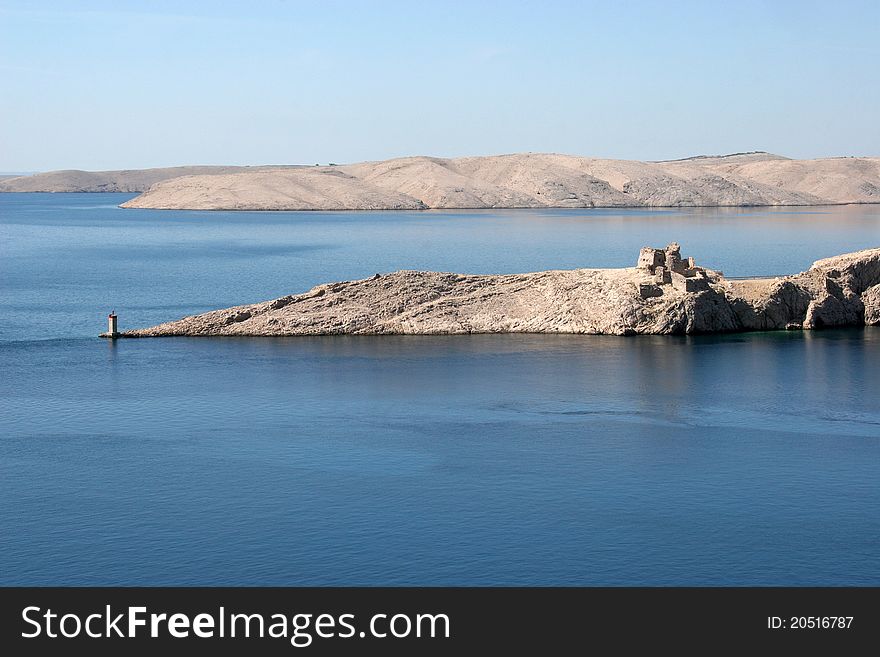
(665, 293)
(523, 180)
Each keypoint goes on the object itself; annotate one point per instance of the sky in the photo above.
(110, 85)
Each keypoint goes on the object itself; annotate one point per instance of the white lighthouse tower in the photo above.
(112, 331)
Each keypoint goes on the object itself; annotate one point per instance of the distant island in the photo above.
(525, 180)
(665, 293)
(122, 181)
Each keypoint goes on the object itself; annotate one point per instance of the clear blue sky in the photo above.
(99, 85)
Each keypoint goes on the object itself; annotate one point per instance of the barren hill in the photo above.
(529, 180)
(524, 180)
(133, 180)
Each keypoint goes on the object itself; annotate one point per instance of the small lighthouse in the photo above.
(112, 331)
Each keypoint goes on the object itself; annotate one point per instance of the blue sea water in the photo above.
(749, 459)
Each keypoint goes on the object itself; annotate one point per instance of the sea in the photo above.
(731, 460)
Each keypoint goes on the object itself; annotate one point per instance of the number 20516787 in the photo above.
(809, 622)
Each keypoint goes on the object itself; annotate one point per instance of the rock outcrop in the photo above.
(871, 301)
(839, 291)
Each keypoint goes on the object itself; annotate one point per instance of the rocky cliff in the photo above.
(663, 294)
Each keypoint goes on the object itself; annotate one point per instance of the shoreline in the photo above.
(495, 209)
(465, 209)
(137, 334)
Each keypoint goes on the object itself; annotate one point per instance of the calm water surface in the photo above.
(744, 459)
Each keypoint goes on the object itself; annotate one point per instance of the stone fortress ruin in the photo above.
(668, 267)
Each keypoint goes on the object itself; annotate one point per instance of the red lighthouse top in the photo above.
(112, 314)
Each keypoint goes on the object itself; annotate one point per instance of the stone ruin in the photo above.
(668, 267)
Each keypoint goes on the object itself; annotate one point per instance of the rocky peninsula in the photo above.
(665, 293)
